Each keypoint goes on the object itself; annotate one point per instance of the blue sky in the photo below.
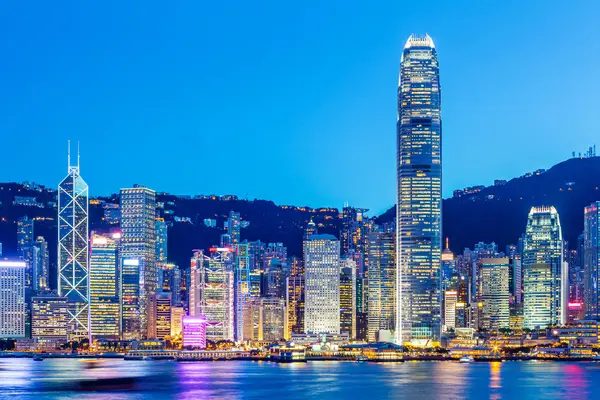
(289, 101)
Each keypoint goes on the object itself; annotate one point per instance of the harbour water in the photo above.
(62, 379)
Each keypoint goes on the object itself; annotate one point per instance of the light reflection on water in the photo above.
(53, 378)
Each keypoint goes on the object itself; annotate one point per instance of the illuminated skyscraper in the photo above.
(265, 319)
(322, 284)
(233, 227)
(419, 201)
(450, 300)
(105, 318)
(495, 294)
(130, 298)
(169, 280)
(73, 249)
(12, 299)
(25, 242)
(159, 316)
(381, 310)
(348, 297)
(138, 241)
(211, 293)
(242, 285)
(295, 297)
(591, 263)
(545, 274)
(49, 317)
(40, 265)
(161, 240)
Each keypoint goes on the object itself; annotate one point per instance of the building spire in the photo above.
(447, 243)
(68, 155)
(78, 155)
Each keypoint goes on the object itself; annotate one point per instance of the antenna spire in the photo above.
(78, 155)
(68, 154)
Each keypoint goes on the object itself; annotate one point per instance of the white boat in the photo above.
(466, 359)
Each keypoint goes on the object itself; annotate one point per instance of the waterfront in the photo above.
(52, 378)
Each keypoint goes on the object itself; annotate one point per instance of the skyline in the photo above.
(142, 83)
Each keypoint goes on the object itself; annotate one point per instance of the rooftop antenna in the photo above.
(68, 154)
(78, 155)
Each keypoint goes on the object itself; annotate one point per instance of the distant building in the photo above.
(25, 241)
(295, 297)
(40, 265)
(161, 240)
(348, 297)
(274, 280)
(105, 316)
(138, 241)
(233, 227)
(322, 284)
(382, 284)
(495, 294)
(591, 263)
(12, 299)
(450, 300)
(544, 271)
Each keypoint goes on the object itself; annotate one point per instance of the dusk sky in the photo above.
(293, 102)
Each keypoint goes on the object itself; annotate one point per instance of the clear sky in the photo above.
(289, 101)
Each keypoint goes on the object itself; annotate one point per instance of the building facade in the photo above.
(12, 299)
(49, 318)
(73, 250)
(419, 196)
(105, 315)
(322, 284)
(591, 260)
(495, 294)
(381, 291)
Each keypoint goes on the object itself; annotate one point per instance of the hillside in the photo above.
(499, 213)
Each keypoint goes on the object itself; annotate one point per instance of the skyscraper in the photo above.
(12, 299)
(49, 318)
(495, 294)
(591, 260)
(381, 310)
(233, 227)
(419, 201)
(105, 318)
(348, 297)
(322, 284)
(161, 240)
(295, 297)
(73, 249)
(40, 265)
(211, 293)
(241, 286)
(159, 315)
(138, 241)
(545, 273)
(25, 240)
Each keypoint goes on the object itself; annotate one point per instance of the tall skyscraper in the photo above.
(295, 297)
(322, 284)
(450, 300)
(73, 249)
(591, 260)
(12, 299)
(242, 285)
(130, 298)
(25, 241)
(544, 271)
(138, 241)
(105, 316)
(211, 293)
(381, 310)
(159, 316)
(161, 240)
(348, 297)
(419, 196)
(495, 294)
(234, 226)
(40, 265)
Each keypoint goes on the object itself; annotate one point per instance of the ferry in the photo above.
(288, 354)
(362, 358)
(466, 359)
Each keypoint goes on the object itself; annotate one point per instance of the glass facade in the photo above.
(73, 251)
(419, 201)
(545, 274)
(381, 310)
(495, 294)
(591, 258)
(105, 319)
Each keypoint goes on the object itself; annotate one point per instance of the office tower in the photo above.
(169, 280)
(225, 240)
(255, 254)
(295, 297)
(322, 284)
(450, 300)
(194, 332)
(591, 244)
(159, 315)
(515, 280)
(361, 308)
(233, 227)
(161, 240)
(311, 229)
(73, 249)
(274, 280)
(25, 240)
(348, 297)
(242, 285)
(138, 242)
(354, 229)
(105, 317)
(12, 299)
(40, 265)
(544, 272)
(49, 318)
(274, 250)
(381, 310)
(211, 293)
(419, 197)
(177, 314)
(495, 294)
(130, 299)
(266, 319)
(448, 266)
